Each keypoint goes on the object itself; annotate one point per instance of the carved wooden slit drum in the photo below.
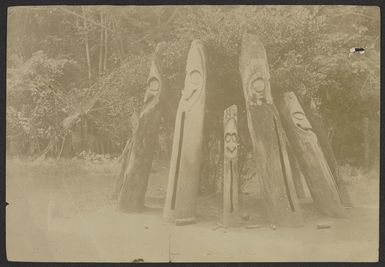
(135, 179)
(323, 141)
(271, 158)
(185, 164)
(313, 164)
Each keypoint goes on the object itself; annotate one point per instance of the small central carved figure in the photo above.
(230, 167)
(231, 138)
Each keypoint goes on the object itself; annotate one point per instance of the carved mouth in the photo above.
(303, 128)
(230, 150)
(148, 99)
(258, 97)
(150, 96)
(190, 96)
(195, 80)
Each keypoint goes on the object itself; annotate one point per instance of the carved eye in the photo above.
(196, 78)
(299, 115)
(153, 84)
(258, 85)
(234, 137)
(228, 137)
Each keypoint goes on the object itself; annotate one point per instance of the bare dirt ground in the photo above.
(63, 211)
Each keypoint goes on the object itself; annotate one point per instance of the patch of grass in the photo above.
(74, 185)
(362, 184)
(355, 175)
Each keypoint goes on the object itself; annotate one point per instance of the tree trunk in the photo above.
(101, 43)
(105, 44)
(310, 156)
(61, 148)
(84, 133)
(185, 164)
(119, 39)
(132, 194)
(272, 162)
(87, 48)
(68, 151)
(230, 168)
(319, 129)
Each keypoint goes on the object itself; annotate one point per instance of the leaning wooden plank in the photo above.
(266, 133)
(310, 157)
(319, 128)
(230, 167)
(124, 160)
(132, 193)
(185, 164)
(298, 182)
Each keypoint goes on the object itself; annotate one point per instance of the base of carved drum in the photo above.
(130, 202)
(232, 220)
(170, 215)
(130, 208)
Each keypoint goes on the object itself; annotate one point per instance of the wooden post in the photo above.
(185, 164)
(132, 194)
(230, 167)
(297, 179)
(310, 157)
(323, 141)
(266, 133)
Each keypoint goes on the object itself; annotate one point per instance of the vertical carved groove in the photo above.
(173, 199)
(283, 166)
(231, 186)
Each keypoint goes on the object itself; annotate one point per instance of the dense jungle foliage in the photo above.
(76, 74)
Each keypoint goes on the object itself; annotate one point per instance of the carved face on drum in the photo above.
(258, 86)
(231, 132)
(153, 85)
(231, 138)
(297, 114)
(195, 75)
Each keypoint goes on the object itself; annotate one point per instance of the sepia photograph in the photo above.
(193, 133)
